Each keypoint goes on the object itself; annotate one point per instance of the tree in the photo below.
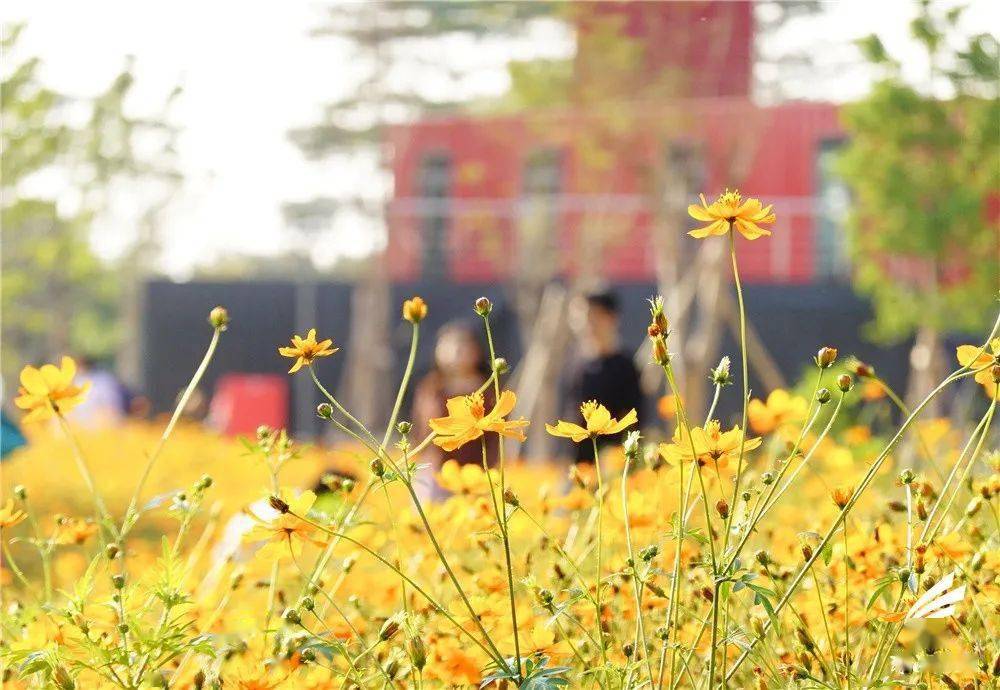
(922, 164)
(58, 296)
(399, 54)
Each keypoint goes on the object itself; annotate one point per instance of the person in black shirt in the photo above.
(603, 372)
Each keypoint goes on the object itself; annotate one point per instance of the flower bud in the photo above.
(500, 366)
(118, 580)
(722, 508)
(721, 375)
(658, 318)
(628, 649)
(631, 446)
(308, 655)
(545, 596)
(111, 551)
(204, 482)
(292, 616)
(845, 382)
(974, 506)
(377, 467)
(324, 411)
(20, 492)
(219, 318)
(308, 603)
(279, 505)
(863, 370)
(767, 478)
(823, 396)
(841, 497)
(62, 679)
(403, 428)
(995, 373)
(660, 353)
(906, 477)
(826, 357)
(418, 652)
(707, 594)
(762, 557)
(510, 498)
(649, 553)
(389, 628)
(263, 431)
(414, 310)
(483, 306)
(922, 510)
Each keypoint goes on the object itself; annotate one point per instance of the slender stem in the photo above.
(640, 632)
(865, 482)
(847, 609)
(501, 510)
(84, 468)
(401, 393)
(178, 411)
(746, 384)
(600, 545)
(491, 652)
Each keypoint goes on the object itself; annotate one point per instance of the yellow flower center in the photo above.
(588, 408)
(477, 407)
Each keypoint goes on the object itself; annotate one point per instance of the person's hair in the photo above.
(468, 329)
(604, 299)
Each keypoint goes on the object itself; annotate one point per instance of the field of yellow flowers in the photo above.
(813, 544)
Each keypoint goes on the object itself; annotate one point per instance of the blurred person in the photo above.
(459, 368)
(107, 401)
(602, 371)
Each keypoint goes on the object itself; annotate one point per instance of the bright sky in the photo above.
(250, 73)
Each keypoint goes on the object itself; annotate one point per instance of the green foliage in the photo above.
(923, 170)
(58, 296)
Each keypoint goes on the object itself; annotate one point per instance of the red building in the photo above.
(479, 199)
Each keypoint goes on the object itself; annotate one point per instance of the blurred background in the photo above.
(311, 164)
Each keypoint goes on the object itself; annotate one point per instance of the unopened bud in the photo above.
(826, 357)
(500, 366)
(403, 428)
(657, 316)
(111, 551)
(389, 628)
(823, 396)
(649, 553)
(721, 375)
(377, 467)
(707, 594)
(995, 373)
(660, 353)
(907, 476)
(20, 492)
(767, 478)
(418, 652)
(845, 382)
(308, 655)
(278, 504)
(292, 616)
(973, 507)
(118, 580)
(628, 649)
(510, 498)
(863, 370)
(483, 306)
(722, 508)
(324, 411)
(219, 318)
(762, 557)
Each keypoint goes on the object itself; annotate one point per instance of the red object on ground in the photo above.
(242, 402)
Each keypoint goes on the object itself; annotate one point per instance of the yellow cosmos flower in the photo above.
(49, 390)
(467, 420)
(10, 516)
(970, 356)
(305, 350)
(415, 310)
(598, 420)
(285, 532)
(710, 443)
(731, 212)
(781, 408)
(73, 530)
(463, 479)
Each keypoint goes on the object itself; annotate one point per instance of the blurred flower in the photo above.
(971, 357)
(305, 350)
(666, 407)
(9, 516)
(781, 408)
(599, 422)
(73, 531)
(463, 479)
(729, 211)
(49, 390)
(467, 420)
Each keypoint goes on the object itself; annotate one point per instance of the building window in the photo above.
(832, 204)
(434, 188)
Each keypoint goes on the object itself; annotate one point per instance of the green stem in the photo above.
(600, 545)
